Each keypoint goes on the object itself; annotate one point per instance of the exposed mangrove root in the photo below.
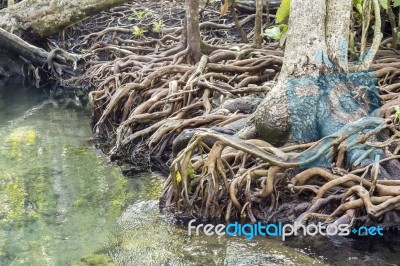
(146, 94)
(257, 175)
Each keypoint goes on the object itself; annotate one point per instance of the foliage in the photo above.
(283, 11)
(138, 15)
(178, 177)
(158, 26)
(138, 32)
(191, 173)
(384, 3)
(276, 32)
(358, 4)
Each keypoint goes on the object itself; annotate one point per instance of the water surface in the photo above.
(63, 203)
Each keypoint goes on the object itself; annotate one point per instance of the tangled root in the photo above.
(144, 94)
(236, 179)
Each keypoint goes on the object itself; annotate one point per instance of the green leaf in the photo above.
(134, 11)
(158, 26)
(138, 32)
(178, 177)
(396, 3)
(359, 9)
(283, 11)
(276, 32)
(383, 4)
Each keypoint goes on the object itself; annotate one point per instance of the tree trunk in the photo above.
(338, 31)
(42, 18)
(16, 52)
(316, 53)
(193, 38)
(13, 43)
(258, 24)
(305, 46)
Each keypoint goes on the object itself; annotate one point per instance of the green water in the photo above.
(63, 203)
(58, 196)
(61, 200)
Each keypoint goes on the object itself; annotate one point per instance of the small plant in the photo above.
(138, 32)
(158, 26)
(138, 15)
(277, 32)
(191, 174)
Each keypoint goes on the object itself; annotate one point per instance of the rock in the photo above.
(245, 105)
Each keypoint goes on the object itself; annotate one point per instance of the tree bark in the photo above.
(316, 46)
(258, 24)
(304, 56)
(42, 18)
(16, 52)
(338, 31)
(193, 38)
(315, 94)
(13, 43)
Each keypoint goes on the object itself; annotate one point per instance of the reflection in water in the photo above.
(58, 196)
(61, 202)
